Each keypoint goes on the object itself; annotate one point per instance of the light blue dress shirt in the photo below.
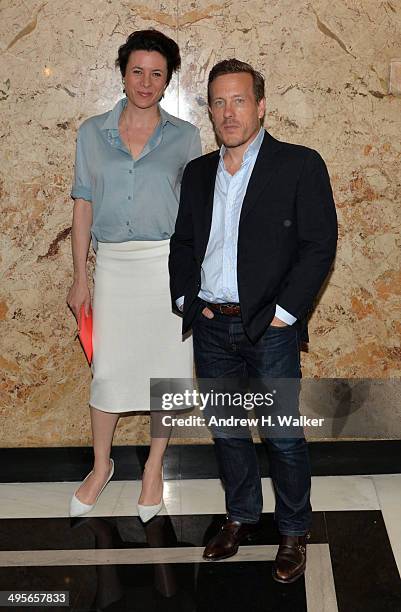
(219, 268)
(133, 199)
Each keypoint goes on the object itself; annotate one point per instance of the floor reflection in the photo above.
(118, 564)
(182, 587)
(159, 533)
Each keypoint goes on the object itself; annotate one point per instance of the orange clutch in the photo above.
(85, 325)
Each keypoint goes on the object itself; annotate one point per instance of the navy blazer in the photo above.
(286, 241)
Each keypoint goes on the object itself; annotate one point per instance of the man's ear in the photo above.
(261, 108)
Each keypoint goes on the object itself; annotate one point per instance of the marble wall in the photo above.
(327, 70)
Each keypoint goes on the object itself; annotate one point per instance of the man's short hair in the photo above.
(233, 66)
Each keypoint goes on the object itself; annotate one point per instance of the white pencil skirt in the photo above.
(136, 336)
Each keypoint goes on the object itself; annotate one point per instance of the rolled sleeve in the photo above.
(81, 187)
(195, 146)
(180, 303)
(284, 315)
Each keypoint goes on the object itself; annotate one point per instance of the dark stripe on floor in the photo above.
(365, 573)
(125, 532)
(193, 461)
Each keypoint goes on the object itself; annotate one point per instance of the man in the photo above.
(254, 240)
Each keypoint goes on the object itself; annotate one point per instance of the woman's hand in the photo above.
(79, 294)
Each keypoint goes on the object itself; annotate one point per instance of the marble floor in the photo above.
(110, 561)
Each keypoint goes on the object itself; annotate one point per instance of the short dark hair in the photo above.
(233, 66)
(150, 40)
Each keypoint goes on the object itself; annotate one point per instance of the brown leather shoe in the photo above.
(290, 560)
(225, 544)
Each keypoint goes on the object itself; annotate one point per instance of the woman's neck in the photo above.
(141, 117)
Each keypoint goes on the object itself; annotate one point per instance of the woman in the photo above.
(128, 169)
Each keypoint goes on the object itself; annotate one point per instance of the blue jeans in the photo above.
(222, 350)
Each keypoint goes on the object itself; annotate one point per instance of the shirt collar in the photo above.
(253, 147)
(166, 117)
(113, 116)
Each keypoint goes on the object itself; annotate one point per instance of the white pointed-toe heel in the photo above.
(145, 513)
(78, 508)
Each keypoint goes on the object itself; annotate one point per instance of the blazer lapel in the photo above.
(210, 180)
(262, 172)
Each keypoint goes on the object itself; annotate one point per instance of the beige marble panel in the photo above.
(57, 70)
(327, 71)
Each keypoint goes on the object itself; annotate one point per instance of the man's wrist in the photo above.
(276, 322)
(284, 315)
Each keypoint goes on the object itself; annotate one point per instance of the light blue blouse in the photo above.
(133, 199)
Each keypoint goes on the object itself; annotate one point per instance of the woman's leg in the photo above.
(103, 427)
(152, 481)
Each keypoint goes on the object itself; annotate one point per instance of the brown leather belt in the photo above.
(231, 310)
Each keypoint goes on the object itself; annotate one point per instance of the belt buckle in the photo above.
(230, 309)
